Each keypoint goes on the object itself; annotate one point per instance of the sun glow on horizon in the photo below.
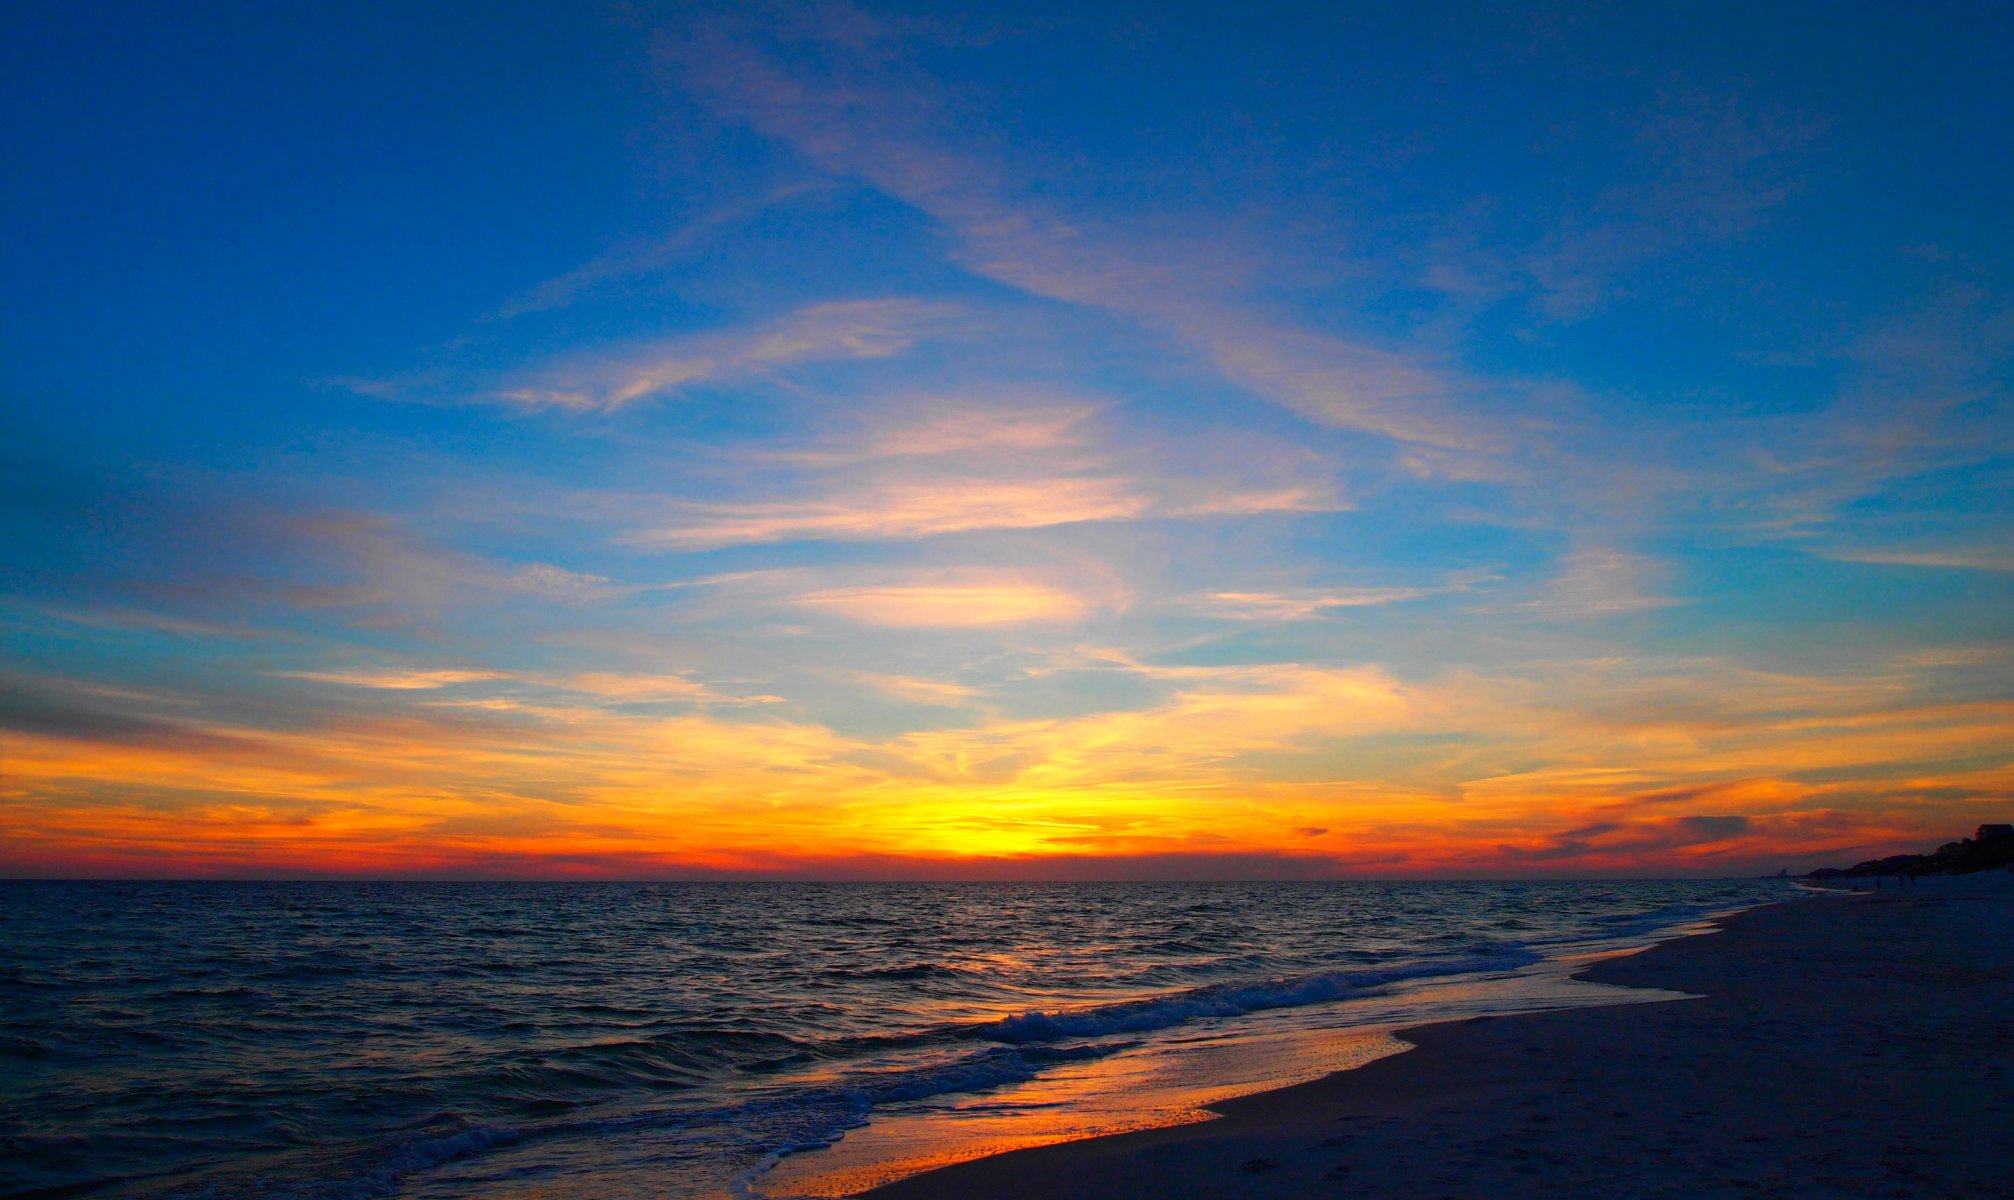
(834, 442)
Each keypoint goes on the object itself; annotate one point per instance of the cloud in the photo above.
(957, 430)
(623, 687)
(1694, 839)
(1601, 582)
(366, 560)
(547, 579)
(1922, 400)
(1212, 719)
(1707, 169)
(1703, 769)
(932, 426)
(1234, 502)
(643, 257)
(255, 568)
(961, 469)
(853, 116)
(73, 709)
(912, 690)
(1982, 559)
(142, 620)
(909, 508)
(831, 332)
(652, 688)
(1299, 604)
(918, 508)
(950, 605)
(395, 680)
(1716, 828)
(1332, 381)
(917, 531)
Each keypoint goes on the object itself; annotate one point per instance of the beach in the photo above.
(635, 1041)
(1845, 1045)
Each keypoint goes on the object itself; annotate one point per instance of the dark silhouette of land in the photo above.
(1990, 847)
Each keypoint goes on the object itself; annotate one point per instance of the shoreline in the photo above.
(1186, 1079)
(1854, 1043)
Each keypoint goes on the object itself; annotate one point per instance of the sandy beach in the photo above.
(1853, 1045)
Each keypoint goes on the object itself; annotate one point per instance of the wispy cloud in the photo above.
(375, 562)
(642, 257)
(250, 570)
(1598, 765)
(901, 509)
(1600, 581)
(547, 579)
(1708, 169)
(1921, 395)
(932, 469)
(930, 427)
(819, 333)
(649, 688)
(1979, 559)
(913, 690)
(895, 509)
(146, 621)
(1299, 604)
(395, 680)
(857, 120)
(626, 687)
(967, 601)
(1000, 490)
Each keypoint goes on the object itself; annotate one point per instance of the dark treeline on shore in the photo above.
(1990, 846)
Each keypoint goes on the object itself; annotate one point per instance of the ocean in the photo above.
(346, 1041)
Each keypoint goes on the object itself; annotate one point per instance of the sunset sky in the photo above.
(834, 441)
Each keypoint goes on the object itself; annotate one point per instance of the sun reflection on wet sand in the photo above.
(1172, 1082)
(1172, 1085)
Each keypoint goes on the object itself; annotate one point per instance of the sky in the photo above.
(858, 441)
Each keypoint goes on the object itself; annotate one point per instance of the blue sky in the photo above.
(840, 440)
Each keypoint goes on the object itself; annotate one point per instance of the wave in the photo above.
(815, 1117)
(589, 1073)
(518, 1046)
(1654, 921)
(777, 1126)
(907, 971)
(23, 1047)
(1234, 999)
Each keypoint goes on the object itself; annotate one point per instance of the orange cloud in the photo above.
(394, 680)
(1311, 769)
(949, 605)
(903, 509)
(954, 427)
(917, 691)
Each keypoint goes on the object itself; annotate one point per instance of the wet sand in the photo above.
(1841, 1046)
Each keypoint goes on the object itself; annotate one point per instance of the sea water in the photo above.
(358, 1040)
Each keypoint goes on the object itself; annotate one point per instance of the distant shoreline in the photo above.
(1837, 1043)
